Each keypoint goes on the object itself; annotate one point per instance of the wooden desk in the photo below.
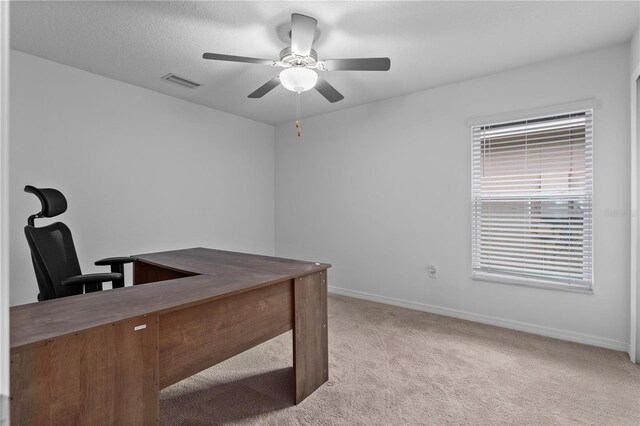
(102, 358)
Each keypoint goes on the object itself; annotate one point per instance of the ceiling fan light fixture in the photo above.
(298, 79)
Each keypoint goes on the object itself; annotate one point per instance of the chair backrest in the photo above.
(54, 259)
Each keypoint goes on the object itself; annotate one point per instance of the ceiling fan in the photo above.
(300, 62)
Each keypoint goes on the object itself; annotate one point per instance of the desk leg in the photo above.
(310, 345)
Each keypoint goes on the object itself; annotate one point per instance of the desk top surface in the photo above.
(217, 274)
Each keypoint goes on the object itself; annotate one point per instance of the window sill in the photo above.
(530, 282)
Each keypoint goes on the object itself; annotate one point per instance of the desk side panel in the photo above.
(198, 337)
(310, 337)
(103, 376)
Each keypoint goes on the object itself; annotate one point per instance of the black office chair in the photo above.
(54, 255)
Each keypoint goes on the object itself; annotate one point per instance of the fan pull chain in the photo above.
(299, 130)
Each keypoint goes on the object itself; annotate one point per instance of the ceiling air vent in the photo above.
(181, 81)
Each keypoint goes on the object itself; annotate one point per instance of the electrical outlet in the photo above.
(432, 271)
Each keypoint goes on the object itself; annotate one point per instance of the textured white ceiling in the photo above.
(429, 43)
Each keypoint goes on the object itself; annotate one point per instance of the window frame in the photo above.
(513, 117)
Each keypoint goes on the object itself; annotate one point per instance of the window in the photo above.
(532, 192)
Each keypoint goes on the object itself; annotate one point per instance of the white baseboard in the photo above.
(556, 333)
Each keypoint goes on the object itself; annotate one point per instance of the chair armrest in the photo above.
(117, 267)
(88, 279)
(114, 261)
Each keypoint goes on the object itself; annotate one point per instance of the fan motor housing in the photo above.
(293, 60)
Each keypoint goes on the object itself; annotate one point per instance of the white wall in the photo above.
(383, 190)
(141, 171)
(4, 249)
(635, 51)
(634, 353)
(635, 218)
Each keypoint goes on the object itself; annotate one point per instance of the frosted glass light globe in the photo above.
(298, 79)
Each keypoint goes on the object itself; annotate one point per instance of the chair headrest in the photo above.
(53, 202)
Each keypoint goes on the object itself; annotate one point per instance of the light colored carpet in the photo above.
(394, 366)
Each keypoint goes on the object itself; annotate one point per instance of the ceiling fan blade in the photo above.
(303, 30)
(231, 58)
(265, 88)
(328, 91)
(357, 64)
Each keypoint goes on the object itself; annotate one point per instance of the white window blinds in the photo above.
(532, 191)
